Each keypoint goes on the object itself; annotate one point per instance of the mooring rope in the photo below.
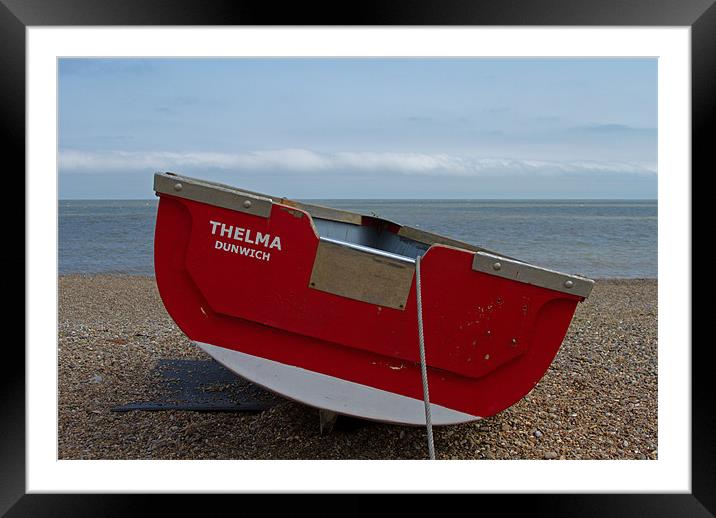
(423, 366)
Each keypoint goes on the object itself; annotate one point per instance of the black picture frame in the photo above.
(699, 15)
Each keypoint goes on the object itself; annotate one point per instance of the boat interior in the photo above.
(376, 238)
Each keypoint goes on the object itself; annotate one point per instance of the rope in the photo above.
(423, 366)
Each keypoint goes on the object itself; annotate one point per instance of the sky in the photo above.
(361, 128)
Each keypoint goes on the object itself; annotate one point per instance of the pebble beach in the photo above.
(598, 400)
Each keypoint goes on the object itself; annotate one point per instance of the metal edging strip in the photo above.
(213, 194)
(522, 272)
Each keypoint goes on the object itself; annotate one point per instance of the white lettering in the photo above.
(244, 234)
(262, 239)
(242, 250)
(226, 231)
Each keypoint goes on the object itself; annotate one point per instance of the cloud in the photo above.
(611, 129)
(302, 160)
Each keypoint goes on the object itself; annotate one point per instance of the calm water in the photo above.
(594, 238)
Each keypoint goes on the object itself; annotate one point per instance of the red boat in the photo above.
(319, 305)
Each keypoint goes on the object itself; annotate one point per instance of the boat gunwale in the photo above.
(256, 203)
(314, 210)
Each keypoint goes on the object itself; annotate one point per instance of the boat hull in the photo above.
(331, 393)
(244, 288)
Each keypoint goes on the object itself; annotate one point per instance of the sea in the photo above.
(596, 238)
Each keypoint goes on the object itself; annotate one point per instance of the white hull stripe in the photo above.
(330, 393)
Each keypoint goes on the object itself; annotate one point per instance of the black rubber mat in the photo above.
(203, 386)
